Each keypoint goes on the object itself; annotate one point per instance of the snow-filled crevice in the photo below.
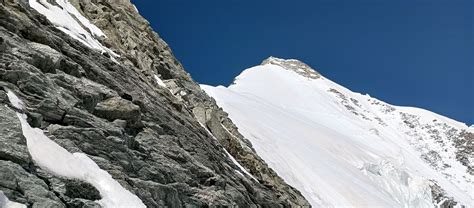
(242, 169)
(70, 21)
(49, 156)
(159, 81)
(14, 100)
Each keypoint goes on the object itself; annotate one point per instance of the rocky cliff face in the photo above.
(131, 108)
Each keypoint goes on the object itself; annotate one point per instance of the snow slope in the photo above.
(344, 149)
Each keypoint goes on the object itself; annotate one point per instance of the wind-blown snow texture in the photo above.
(341, 148)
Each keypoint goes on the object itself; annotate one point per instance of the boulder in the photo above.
(117, 108)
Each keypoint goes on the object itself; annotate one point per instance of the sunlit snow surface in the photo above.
(337, 147)
(69, 20)
(50, 156)
(14, 100)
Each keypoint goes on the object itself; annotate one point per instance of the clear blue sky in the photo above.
(406, 52)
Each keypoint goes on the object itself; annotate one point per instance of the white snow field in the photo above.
(340, 148)
(49, 156)
(69, 20)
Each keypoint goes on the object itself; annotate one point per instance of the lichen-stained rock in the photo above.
(147, 137)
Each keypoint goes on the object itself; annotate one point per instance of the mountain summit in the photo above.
(345, 149)
(294, 65)
(97, 112)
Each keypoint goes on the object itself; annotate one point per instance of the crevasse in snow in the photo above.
(51, 157)
(69, 20)
(341, 148)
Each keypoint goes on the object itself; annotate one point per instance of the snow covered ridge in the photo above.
(344, 149)
(69, 20)
(51, 157)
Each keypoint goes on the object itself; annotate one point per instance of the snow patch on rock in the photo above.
(69, 20)
(14, 100)
(51, 157)
(239, 165)
(5, 203)
(159, 81)
(57, 160)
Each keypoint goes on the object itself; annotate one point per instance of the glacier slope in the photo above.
(341, 148)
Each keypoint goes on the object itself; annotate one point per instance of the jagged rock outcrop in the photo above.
(148, 137)
(293, 65)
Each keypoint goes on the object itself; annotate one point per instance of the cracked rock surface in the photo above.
(164, 144)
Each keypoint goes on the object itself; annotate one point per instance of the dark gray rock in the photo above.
(26, 188)
(439, 195)
(82, 190)
(81, 203)
(72, 193)
(35, 119)
(149, 138)
(12, 145)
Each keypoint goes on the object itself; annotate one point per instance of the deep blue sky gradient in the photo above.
(406, 52)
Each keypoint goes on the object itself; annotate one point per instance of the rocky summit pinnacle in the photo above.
(109, 114)
(293, 65)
